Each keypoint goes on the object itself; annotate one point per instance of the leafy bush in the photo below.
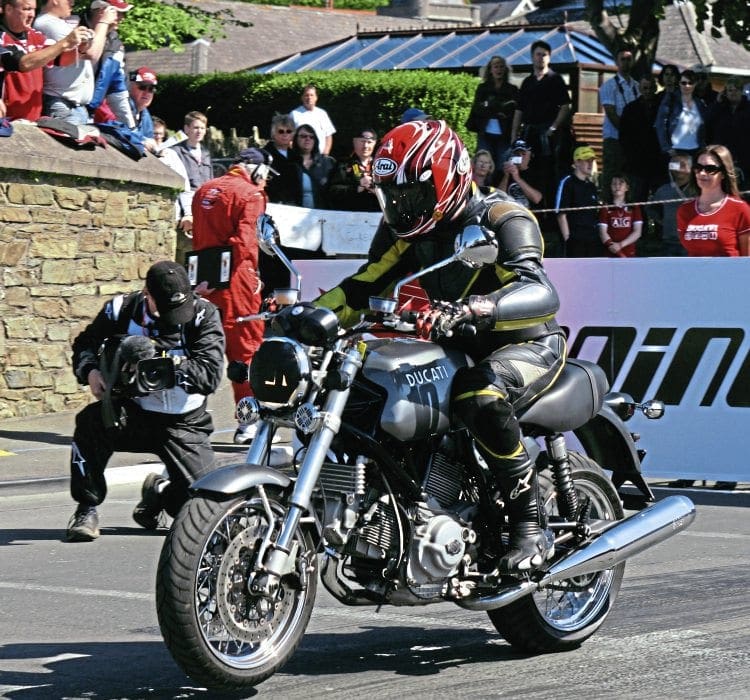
(353, 99)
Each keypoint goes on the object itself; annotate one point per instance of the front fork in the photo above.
(278, 561)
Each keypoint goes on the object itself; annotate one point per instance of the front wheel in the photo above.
(567, 612)
(219, 633)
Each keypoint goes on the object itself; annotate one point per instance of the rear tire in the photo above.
(218, 633)
(568, 612)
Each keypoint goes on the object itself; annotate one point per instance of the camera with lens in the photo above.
(130, 368)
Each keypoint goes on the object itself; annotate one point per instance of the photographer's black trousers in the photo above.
(180, 441)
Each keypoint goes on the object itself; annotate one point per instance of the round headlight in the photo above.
(280, 372)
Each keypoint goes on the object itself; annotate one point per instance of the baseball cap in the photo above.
(520, 145)
(414, 114)
(119, 5)
(143, 75)
(255, 156)
(169, 287)
(367, 134)
(584, 153)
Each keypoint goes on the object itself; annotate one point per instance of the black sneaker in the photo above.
(84, 525)
(148, 511)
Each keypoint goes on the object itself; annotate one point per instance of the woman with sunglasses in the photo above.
(680, 123)
(717, 222)
(314, 169)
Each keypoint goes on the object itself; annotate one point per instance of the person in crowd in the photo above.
(483, 169)
(614, 94)
(681, 124)
(282, 188)
(703, 88)
(642, 159)
(26, 52)
(316, 117)
(667, 200)
(620, 225)
(515, 179)
(717, 222)
(491, 115)
(729, 125)
(225, 212)
(414, 114)
(669, 80)
(579, 229)
(196, 159)
(519, 348)
(142, 84)
(314, 169)
(68, 89)
(110, 101)
(160, 131)
(543, 112)
(351, 185)
(166, 317)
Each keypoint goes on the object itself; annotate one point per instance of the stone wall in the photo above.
(76, 227)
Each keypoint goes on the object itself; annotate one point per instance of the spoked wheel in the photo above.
(569, 611)
(221, 634)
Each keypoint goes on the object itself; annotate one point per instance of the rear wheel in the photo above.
(219, 633)
(569, 611)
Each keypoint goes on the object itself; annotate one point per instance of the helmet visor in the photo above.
(406, 207)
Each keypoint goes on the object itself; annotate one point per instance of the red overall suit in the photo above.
(225, 211)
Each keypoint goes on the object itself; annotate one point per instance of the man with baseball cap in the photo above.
(68, 89)
(164, 319)
(577, 204)
(516, 180)
(142, 86)
(351, 185)
(225, 212)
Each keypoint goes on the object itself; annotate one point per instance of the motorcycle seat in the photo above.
(574, 399)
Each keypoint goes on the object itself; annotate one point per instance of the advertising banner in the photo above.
(668, 328)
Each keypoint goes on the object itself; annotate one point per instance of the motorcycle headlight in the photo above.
(280, 372)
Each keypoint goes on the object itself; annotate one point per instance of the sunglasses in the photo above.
(708, 169)
(305, 136)
(284, 131)
(686, 82)
(143, 87)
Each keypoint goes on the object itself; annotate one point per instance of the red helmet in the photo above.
(422, 174)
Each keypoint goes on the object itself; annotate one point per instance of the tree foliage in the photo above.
(152, 25)
(637, 27)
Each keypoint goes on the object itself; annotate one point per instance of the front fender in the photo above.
(607, 440)
(236, 478)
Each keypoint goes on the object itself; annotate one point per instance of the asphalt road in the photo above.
(79, 621)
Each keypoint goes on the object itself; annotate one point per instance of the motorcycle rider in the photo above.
(423, 181)
(173, 423)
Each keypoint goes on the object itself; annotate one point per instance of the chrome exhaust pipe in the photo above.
(622, 540)
(625, 539)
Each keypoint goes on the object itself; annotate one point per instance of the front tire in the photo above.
(217, 632)
(568, 612)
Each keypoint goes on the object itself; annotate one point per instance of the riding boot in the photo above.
(529, 545)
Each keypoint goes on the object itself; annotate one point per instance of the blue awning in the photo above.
(443, 49)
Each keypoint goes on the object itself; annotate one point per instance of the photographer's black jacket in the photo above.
(200, 345)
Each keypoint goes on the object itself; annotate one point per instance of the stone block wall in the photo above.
(71, 236)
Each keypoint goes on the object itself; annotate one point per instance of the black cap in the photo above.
(169, 287)
(255, 156)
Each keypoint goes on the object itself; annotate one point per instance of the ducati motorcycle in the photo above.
(388, 503)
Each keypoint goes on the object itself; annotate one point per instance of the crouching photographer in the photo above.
(150, 358)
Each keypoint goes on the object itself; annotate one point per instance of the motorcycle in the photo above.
(388, 503)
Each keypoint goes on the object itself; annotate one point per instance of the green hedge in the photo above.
(353, 99)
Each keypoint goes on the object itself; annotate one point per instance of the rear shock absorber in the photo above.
(561, 474)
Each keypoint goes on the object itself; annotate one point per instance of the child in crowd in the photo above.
(620, 225)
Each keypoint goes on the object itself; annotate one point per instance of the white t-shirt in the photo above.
(318, 119)
(74, 82)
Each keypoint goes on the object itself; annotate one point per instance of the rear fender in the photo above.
(606, 439)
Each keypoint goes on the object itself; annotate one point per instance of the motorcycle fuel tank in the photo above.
(417, 377)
